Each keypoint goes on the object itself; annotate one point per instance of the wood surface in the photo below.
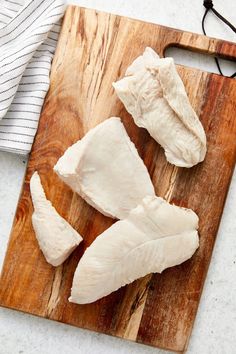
(94, 50)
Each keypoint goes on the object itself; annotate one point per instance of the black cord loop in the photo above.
(208, 4)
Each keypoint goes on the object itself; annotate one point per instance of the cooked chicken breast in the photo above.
(57, 239)
(156, 235)
(154, 95)
(106, 170)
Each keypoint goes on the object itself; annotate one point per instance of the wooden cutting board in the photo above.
(93, 51)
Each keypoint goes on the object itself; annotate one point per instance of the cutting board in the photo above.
(94, 50)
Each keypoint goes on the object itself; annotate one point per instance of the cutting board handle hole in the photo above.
(200, 61)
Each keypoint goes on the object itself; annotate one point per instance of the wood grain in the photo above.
(94, 50)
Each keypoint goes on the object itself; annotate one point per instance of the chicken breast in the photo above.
(154, 95)
(156, 235)
(106, 170)
(57, 239)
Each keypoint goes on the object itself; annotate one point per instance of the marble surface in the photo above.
(215, 326)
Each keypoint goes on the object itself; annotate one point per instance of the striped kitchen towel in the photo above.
(29, 30)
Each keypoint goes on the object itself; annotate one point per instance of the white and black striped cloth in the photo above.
(29, 31)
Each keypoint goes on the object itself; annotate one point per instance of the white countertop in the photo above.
(215, 325)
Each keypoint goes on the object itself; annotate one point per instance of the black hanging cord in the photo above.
(208, 4)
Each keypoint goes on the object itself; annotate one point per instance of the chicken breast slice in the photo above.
(156, 235)
(154, 94)
(57, 239)
(106, 170)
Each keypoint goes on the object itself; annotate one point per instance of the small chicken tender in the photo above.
(57, 239)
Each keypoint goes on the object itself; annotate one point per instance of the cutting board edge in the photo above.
(169, 28)
(40, 316)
